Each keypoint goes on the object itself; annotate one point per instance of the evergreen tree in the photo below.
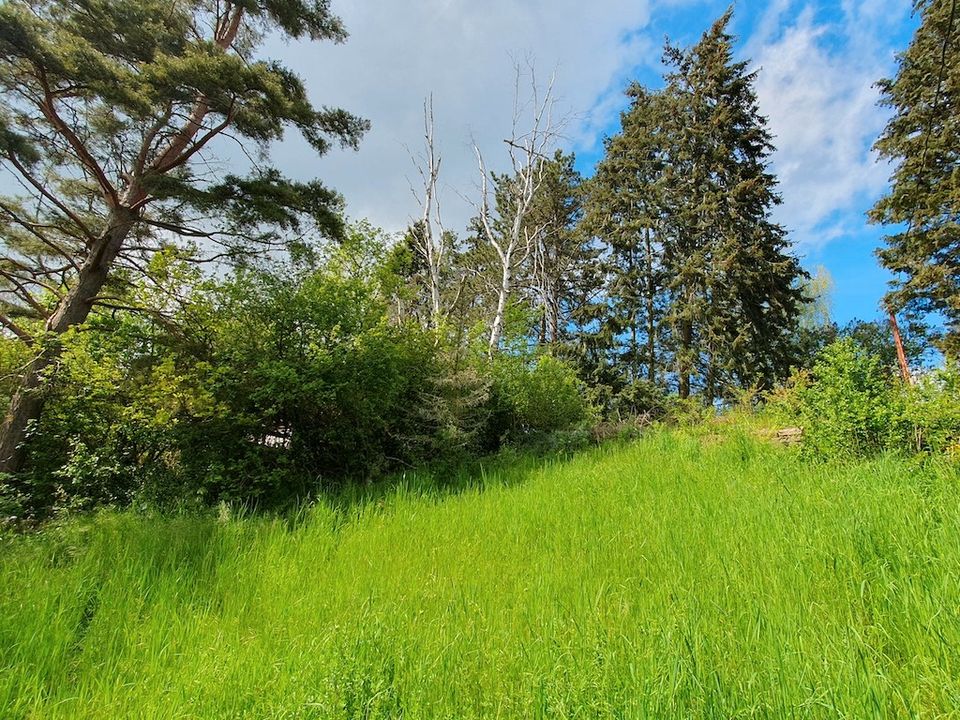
(923, 140)
(106, 109)
(625, 210)
(733, 295)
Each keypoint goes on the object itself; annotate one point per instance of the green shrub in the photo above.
(642, 398)
(851, 405)
(317, 386)
(848, 407)
(113, 413)
(452, 416)
(531, 396)
(272, 387)
(932, 412)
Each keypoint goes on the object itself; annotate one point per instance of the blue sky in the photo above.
(817, 62)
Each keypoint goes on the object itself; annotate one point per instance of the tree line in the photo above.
(665, 267)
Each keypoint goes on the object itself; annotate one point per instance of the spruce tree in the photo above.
(733, 295)
(922, 139)
(625, 210)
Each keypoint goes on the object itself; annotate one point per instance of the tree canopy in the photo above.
(922, 140)
(108, 115)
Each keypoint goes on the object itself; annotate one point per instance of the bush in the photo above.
(932, 412)
(851, 405)
(453, 414)
(317, 386)
(641, 398)
(113, 412)
(532, 396)
(271, 387)
(847, 406)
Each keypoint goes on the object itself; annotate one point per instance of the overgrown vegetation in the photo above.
(850, 405)
(270, 385)
(685, 575)
(263, 461)
(176, 337)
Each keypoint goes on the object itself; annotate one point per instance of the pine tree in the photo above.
(107, 108)
(923, 140)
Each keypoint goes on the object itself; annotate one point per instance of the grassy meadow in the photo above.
(678, 576)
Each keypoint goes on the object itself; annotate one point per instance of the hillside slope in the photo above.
(673, 577)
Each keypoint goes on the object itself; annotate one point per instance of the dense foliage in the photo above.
(286, 465)
(271, 384)
(850, 405)
(922, 139)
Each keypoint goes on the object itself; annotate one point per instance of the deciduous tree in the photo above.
(506, 202)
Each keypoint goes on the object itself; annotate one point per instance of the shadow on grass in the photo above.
(509, 467)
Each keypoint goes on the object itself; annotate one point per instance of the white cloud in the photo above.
(816, 85)
(462, 52)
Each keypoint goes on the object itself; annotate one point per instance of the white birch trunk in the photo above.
(528, 152)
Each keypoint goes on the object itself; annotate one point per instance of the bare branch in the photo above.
(528, 153)
(179, 229)
(431, 239)
(199, 144)
(35, 230)
(115, 304)
(16, 329)
(226, 32)
(24, 294)
(149, 138)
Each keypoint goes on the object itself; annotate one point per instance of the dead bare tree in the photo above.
(529, 152)
(430, 239)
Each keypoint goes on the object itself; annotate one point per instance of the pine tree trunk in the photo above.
(683, 366)
(27, 403)
(683, 388)
(901, 355)
(634, 365)
(711, 384)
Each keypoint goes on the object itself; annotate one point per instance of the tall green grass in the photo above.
(673, 577)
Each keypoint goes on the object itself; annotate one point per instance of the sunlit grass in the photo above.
(673, 577)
